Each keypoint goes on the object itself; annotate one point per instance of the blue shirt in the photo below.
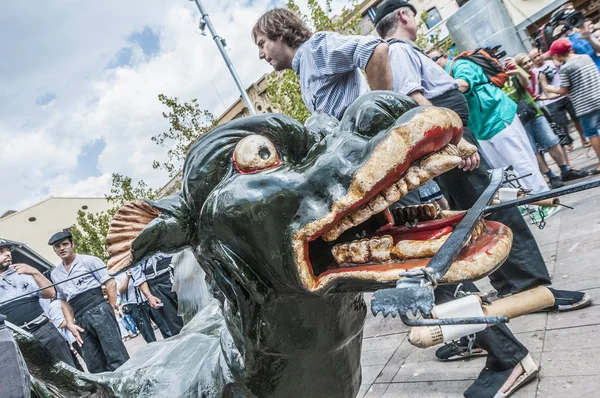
(138, 272)
(81, 265)
(582, 46)
(414, 71)
(328, 67)
(490, 109)
(13, 285)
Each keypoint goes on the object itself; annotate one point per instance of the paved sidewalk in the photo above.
(567, 344)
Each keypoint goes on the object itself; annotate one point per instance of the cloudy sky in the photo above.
(79, 82)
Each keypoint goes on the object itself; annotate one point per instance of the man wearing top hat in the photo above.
(18, 280)
(87, 314)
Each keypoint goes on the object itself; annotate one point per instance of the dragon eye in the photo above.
(255, 153)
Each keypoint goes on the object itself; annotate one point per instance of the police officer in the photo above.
(26, 312)
(87, 314)
(153, 277)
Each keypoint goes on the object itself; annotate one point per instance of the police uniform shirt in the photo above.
(129, 296)
(138, 272)
(13, 285)
(81, 265)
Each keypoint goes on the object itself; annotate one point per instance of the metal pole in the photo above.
(219, 41)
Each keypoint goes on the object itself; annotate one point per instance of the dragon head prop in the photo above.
(270, 205)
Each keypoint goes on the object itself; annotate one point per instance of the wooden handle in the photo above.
(521, 303)
(552, 202)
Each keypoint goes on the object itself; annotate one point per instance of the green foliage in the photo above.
(283, 88)
(426, 42)
(187, 123)
(91, 228)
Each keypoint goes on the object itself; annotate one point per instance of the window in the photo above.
(32, 219)
(84, 207)
(371, 12)
(433, 17)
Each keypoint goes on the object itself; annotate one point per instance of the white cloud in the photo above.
(61, 54)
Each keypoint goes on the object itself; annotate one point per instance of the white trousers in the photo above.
(511, 147)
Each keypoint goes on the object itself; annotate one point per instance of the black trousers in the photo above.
(161, 287)
(103, 350)
(51, 338)
(144, 315)
(525, 267)
(504, 350)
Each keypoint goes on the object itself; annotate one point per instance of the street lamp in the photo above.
(222, 46)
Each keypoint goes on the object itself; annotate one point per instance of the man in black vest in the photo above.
(17, 280)
(88, 316)
(153, 278)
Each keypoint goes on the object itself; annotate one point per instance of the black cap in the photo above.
(57, 237)
(390, 6)
(6, 243)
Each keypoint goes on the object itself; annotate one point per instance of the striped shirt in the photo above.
(580, 75)
(328, 67)
(414, 71)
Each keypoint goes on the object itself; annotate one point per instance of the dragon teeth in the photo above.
(363, 251)
(416, 175)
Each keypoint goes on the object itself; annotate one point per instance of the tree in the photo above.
(91, 228)
(187, 123)
(430, 41)
(283, 88)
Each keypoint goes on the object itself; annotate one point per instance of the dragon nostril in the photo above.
(264, 153)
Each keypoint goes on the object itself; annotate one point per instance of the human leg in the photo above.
(51, 338)
(91, 349)
(511, 147)
(142, 319)
(104, 323)
(162, 288)
(590, 123)
(578, 126)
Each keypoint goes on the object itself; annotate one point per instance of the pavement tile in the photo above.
(528, 323)
(534, 341)
(430, 389)
(584, 317)
(573, 338)
(390, 342)
(395, 363)
(372, 391)
(575, 362)
(433, 370)
(376, 357)
(570, 386)
(370, 373)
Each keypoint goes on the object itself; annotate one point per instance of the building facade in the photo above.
(36, 224)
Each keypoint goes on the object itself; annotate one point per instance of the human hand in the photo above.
(75, 331)
(470, 163)
(24, 269)
(155, 302)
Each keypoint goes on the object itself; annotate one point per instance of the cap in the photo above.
(560, 46)
(57, 237)
(390, 6)
(5, 243)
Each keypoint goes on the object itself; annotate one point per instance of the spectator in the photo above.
(537, 127)
(558, 105)
(501, 136)
(581, 80)
(585, 43)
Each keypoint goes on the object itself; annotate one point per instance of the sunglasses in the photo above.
(435, 59)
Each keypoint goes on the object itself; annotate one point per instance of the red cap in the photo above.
(560, 46)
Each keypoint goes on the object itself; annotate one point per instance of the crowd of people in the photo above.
(508, 131)
(87, 315)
